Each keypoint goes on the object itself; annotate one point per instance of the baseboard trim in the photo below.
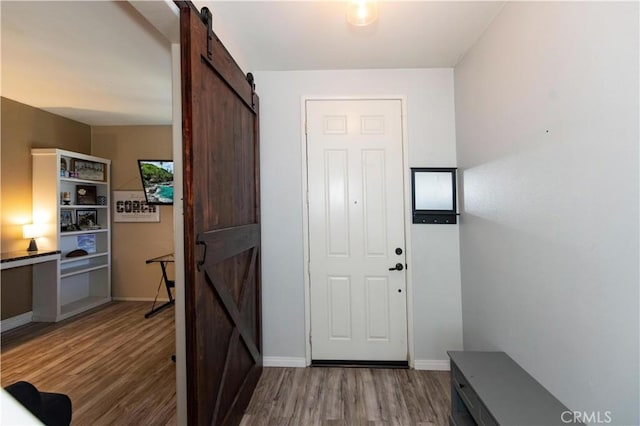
(138, 299)
(283, 361)
(358, 364)
(16, 321)
(419, 364)
(432, 364)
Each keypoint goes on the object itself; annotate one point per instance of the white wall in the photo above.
(435, 262)
(547, 126)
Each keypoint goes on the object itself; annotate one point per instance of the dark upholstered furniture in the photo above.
(53, 409)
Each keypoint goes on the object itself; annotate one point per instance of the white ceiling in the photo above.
(314, 35)
(102, 63)
(97, 62)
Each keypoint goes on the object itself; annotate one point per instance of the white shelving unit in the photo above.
(83, 282)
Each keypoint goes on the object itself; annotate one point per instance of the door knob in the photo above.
(398, 267)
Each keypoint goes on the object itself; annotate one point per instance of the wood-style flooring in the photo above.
(114, 364)
(349, 396)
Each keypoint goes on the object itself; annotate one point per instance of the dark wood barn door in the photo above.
(222, 226)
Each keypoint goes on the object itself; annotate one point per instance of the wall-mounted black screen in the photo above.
(433, 195)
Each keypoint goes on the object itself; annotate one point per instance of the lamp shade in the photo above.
(32, 231)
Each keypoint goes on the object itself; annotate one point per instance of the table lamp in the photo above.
(31, 231)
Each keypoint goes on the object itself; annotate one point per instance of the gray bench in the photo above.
(489, 388)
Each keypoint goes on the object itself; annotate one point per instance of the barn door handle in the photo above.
(398, 267)
(204, 254)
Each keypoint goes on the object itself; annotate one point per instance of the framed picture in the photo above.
(131, 206)
(89, 170)
(87, 219)
(86, 242)
(86, 195)
(66, 219)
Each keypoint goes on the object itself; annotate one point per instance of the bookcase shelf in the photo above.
(88, 267)
(80, 259)
(84, 282)
(82, 181)
(78, 306)
(81, 207)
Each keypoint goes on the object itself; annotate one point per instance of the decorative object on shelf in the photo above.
(76, 253)
(71, 228)
(65, 197)
(131, 206)
(87, 219)
(87, 242)
(66, 219)
(102, 200)
(32, 231)
(63, 168)
(86, 195)
(89, 170)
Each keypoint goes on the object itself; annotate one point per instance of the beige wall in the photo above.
(22, 128)
(133, 243)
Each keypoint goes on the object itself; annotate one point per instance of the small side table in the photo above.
(169, 284)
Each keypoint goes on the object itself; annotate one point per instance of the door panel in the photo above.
(356, 221)
(222, 229)
(377, 305)
(336, 174)
(374, 203)
(340, 308)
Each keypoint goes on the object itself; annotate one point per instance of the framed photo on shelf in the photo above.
(63, 168)
(89, 170)
(87, 219)
(86, 242)
(66, 219)
(86, 195)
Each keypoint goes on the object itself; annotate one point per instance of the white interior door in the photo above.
(356, 230)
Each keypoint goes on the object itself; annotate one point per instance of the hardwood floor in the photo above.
(114, 364)
(349, 396)
(116, 368)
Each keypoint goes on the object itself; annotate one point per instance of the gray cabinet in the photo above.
(490, 388)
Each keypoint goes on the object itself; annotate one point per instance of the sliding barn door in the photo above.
(222, 226)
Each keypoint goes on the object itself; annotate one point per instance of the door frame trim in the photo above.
(407, 214)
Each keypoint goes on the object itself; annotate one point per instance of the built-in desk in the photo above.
(15, 259)
(45, 282)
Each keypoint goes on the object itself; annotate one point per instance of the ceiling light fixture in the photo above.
(362, 12)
